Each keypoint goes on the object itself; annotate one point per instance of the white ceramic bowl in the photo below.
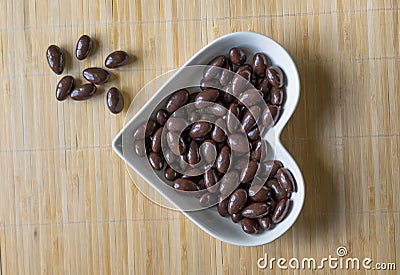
(209, 220)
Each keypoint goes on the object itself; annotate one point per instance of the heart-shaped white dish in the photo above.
(209, 220)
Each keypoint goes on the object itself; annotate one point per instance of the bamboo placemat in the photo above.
(67, 205)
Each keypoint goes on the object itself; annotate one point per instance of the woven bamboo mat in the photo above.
(67, 205)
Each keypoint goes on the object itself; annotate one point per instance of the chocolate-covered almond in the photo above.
(244, 71)
(185, 185)
(250, 97)
(259, 193)
(84, 92)
(237, 201)
(208, 95)
(249, 226)
(208, 199)
(223, 160)
(161, 117)
(96, 75)
(169, 156)
(146, 129)
(200, 129)
(240, 83)
(265, 222)
(213, 67)
(176, 124)
(156, 140)
(277, 190)
(264, 86)
(156, 161)
(177, 100)
(250, 118)
(275, 76)
(140, 132)
(217, 109)
(269, 168)
(254, 134)
(193, 153)
(281, 210)
(170, 173)
(115, 100)
(223, 207)
(116, 59)
(259, 64)
(151, 127)
(55, 59)
(210, 179)
(259, 150)
(232, 123)
(285, 179)
(270, 115)
(276, 96)
(237, 217)
(249, 172)
(217, 134)
(237, 56)
(238, 143)
(139, 146)
(226, 75)
(64, 87)
(256, 210)
(206, 149)
(210, 84)
(83, 47)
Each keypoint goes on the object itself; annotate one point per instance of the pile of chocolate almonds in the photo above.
(215, 149)
(94, 75)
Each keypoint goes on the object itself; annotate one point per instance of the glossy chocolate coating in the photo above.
(281, 210)
(83, 47)
(65, 87)
(115, 100)
(237, 201)
(250, 226)
(177, 100)
(275, 76)
(237, 56)
(55, 59)
(96, 75)
(84, 92)
(170, 173)
(223, 207)
(285, 179)
(223, 160)
(256, 210)
(116, 59)
(265, 223)
(156, 161)
(259, 64)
